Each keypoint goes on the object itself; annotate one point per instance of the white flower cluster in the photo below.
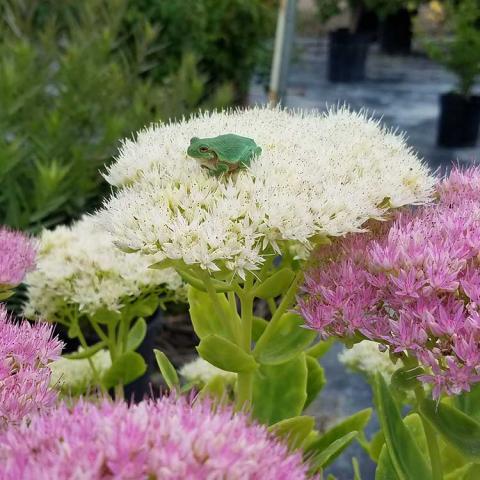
(317, 175)
(366, 358)
(79, 266)
(200, 371)
(76, 376)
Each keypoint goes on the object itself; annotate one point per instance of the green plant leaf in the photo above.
(320, 348)
(293, 430)
(406, 378)
(280, 391)
(258, 327)
(275, 284)
(167, 369)
(125, 369)
(208, 317)
(354, 423)
(187, 277)
(385, 469)
(402, 449)
(136, 334)
(86, 352)
(286, 339)
(106, 317)
(376, 445)
(470, 471)
(462, 431)
(324, 457)
(5, 294)
(315, 379)
(215, 389)
(144, 307)
(225, 354)
(356, 469)
(469, 402)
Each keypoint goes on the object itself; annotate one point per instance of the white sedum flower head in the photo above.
(200, 371)
(317, 175)
(366, 358)
(76, 376)
(79, 266)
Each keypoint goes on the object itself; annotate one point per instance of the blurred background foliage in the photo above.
(75, 77)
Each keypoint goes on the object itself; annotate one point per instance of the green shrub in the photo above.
(227, 36)
(73, 81)
(459, 49)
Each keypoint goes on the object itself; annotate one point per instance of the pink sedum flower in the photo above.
(412, 285)
(17, 257)
(167, 439)
(25, 351)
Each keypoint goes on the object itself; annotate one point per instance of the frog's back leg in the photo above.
(220, 169)
(248, 155)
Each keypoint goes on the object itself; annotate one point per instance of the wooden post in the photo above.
(284, 37)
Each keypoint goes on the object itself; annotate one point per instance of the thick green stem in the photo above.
(229, 316)
(245, 380)
(432, 442)
(286, 303)
(84, 344)
(272, 306)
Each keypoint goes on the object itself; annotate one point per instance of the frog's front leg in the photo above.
(220, 169)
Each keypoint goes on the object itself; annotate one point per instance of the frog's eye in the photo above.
(203, 149)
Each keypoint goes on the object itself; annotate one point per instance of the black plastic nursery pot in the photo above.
(459, 120)
(347, 56)
(395, 35)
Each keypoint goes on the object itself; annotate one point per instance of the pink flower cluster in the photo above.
(17, 257)
(412, 285)
(168, 439)
(25, 350)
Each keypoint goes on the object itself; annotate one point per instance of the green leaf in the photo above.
(162, 265)
(294, 430)
(136, 334)
(356, 469)
(86, 352)
(207, 316)
(402, 449)
(385, 469)
(125, 369)
(187, 277)
(315, 379)
(376, 445)
(225, 354)
(284, 340)
(469, 402)
(321, 348)
(280, 391)
(470, 471)
(215, 389)
(354, 423)
(406, 378)
(73, 329)
(275, 284)
(167, 369)
(414, 424)
(462, 431)
(5, 294)
(107, 317)
(328, 455)
(144, 307)
(258, 327)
